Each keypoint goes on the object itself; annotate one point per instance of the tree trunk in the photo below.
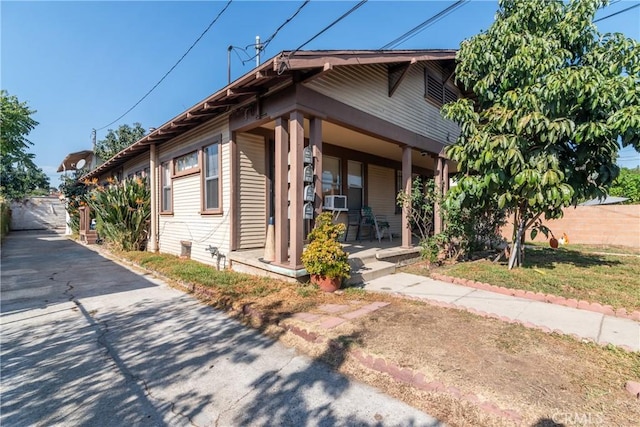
(515, 260)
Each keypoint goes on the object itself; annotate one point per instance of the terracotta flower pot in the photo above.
(327, 284)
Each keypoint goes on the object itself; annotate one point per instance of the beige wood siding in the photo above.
(252, 211)
(366, 88)
(138, 163)
(186, 223)
(382, 195)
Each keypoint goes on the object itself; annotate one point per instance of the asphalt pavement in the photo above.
(87, 341)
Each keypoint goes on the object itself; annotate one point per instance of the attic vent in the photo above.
(436, 91)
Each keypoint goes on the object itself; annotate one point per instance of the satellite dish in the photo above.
(80, 163)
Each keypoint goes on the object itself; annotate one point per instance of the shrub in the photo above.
(467, 229)
(123, 212)
(324, 255)
(5, 219)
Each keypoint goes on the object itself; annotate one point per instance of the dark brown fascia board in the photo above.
(222, 103)
(179, 124)
(266, 74)
(244, 91)
(169, 131)
(299, 61)
(199, 114)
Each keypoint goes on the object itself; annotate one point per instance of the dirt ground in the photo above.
(539, 376)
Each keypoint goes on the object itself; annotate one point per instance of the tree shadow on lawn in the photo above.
(556, 258)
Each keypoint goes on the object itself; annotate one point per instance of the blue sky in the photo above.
(82, 64)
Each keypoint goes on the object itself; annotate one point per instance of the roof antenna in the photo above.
(258, 49)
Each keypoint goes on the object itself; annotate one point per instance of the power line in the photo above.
(275, 33)
(173, 67)
(616, 13)
(318, 34)
(417, 29)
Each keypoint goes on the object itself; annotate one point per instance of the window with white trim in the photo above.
(211, 177)
(166, 202)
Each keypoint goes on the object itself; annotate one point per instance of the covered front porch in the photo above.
(315, 154)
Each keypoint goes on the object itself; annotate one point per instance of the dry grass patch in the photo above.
(536, 374)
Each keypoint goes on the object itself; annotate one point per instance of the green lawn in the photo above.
(571, 272)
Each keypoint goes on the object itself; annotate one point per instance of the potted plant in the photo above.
(324, 259)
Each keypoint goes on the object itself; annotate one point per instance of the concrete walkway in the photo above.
(585, 324)
(86, 341)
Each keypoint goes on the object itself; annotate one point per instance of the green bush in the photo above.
(466, 229)
(5, 218)
(123, 212)
(324, 255)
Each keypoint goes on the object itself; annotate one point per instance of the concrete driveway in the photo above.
(85, 341)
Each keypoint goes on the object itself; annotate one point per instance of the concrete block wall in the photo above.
(617, 225)
(38, 213)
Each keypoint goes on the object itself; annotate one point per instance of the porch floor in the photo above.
(360, 253)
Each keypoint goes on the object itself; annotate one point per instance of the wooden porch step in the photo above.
(362, 272)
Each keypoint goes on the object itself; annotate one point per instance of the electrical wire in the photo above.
(616, 13)
(275, 33)
(172, 68)
(318, 34)
(419, 28)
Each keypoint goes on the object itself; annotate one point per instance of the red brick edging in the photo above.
(538, 296)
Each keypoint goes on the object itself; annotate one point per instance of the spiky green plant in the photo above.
(123, 212)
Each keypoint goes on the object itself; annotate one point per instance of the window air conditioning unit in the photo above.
(335, 203)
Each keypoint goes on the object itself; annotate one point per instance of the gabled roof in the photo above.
(286, 67)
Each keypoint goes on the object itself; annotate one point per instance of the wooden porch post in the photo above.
(281, 152)
(315, 139)
(152, 244)
(437, 176)
(234, 184)
(445, 176)
(406, 186)
(296, 135)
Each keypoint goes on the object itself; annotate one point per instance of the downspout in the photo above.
(153, 184)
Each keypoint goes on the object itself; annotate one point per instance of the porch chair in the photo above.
(353, 220)
(377, 223)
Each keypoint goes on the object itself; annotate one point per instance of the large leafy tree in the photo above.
(117, 140)
(553, 99)
(627, 184)
(19, 175)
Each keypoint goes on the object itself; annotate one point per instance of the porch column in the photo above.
(437, 177)
(152, 244)
(296, 139)
(315, 139)
(281, 151)
(406, 186)
(234, 213)
(445, 176)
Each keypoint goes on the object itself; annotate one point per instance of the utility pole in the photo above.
(258, 49)
(229, 49)
(94, 160)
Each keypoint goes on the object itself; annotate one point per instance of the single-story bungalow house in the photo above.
(303, 132)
